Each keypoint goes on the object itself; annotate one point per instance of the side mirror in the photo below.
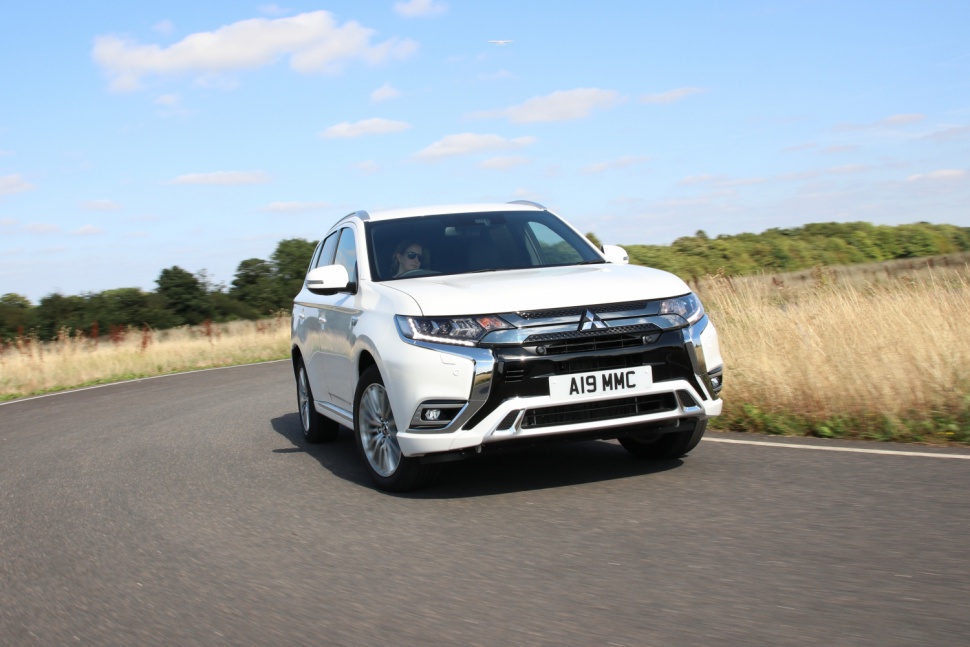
(615, 254)
(329, 279)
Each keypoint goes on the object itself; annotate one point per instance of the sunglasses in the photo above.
(415, 255)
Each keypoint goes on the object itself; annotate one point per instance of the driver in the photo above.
(408, 256)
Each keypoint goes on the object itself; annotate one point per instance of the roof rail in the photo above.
(363, 215)
(528, 202)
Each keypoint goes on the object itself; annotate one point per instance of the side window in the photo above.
(347, 253)
(554, 250)
(326, 255)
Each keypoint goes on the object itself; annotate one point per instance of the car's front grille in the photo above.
(593, 343)
(590, 335)
(593, 411)
(523, 373)
(578, 311)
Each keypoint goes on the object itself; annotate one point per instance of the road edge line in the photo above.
(851, 450)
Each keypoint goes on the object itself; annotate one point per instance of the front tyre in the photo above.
(667, 446)
(375, 433)
(316, 428)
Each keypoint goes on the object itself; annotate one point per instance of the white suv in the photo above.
(437, 333)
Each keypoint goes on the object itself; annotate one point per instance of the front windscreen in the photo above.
(473, 242)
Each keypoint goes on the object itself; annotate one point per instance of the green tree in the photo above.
(57, 311)
(184, 296)
(14, 314)
(255, 287)
(290, 261)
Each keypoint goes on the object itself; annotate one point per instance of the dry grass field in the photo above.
(877, 351)
(30, 367)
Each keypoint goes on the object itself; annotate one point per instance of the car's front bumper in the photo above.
(509, 401)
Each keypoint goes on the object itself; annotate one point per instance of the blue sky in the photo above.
(135, 136)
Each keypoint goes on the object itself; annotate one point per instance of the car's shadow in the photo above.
(536, 468)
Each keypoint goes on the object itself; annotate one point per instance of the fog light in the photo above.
(716, 381)
(432, 414)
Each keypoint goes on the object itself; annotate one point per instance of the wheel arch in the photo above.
(364, 362)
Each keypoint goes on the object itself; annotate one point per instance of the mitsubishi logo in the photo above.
(590, 321)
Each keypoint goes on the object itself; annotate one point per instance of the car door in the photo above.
(311, 322)
(339, 314)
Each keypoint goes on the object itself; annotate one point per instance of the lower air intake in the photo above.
(593, 411)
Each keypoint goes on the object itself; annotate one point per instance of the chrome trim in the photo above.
(418, 424)
(695, 350)
(484, 363)
(333, 412)
(606, 311)
(520, 336)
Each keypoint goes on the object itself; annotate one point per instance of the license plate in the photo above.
(626, 381)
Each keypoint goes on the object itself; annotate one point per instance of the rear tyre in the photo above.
(375, 433)
(666, 446)
(316, 428)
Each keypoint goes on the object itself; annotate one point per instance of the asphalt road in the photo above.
(186, 510)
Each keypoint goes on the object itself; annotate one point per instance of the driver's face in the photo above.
(411, 258)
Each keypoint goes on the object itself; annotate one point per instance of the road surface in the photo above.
(187, 510)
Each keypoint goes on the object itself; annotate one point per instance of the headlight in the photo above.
(688, 306)
(465, 331)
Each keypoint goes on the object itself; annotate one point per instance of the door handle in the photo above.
(353, 321)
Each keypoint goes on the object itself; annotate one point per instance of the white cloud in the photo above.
(942, 174)
(171, 106)
(706, 178)
(899, 120)
(949, 134)
(619, 163)
(101, 205)
(7, 222)
(10, 184)
(504, 162)
(384, 93)
(415, 8)
(88, 230)
(721, 180)
(564, 105)
(841, 148)
(375, 126)
(164, 27)
(295, 207)
(848, 168)
(42, 228)
(273, 10)
(670, 96)
(888, 122)
(314, 42)
(743, 181)
(468, 143)
(6, 153)
(367, 167)
(223, 178)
